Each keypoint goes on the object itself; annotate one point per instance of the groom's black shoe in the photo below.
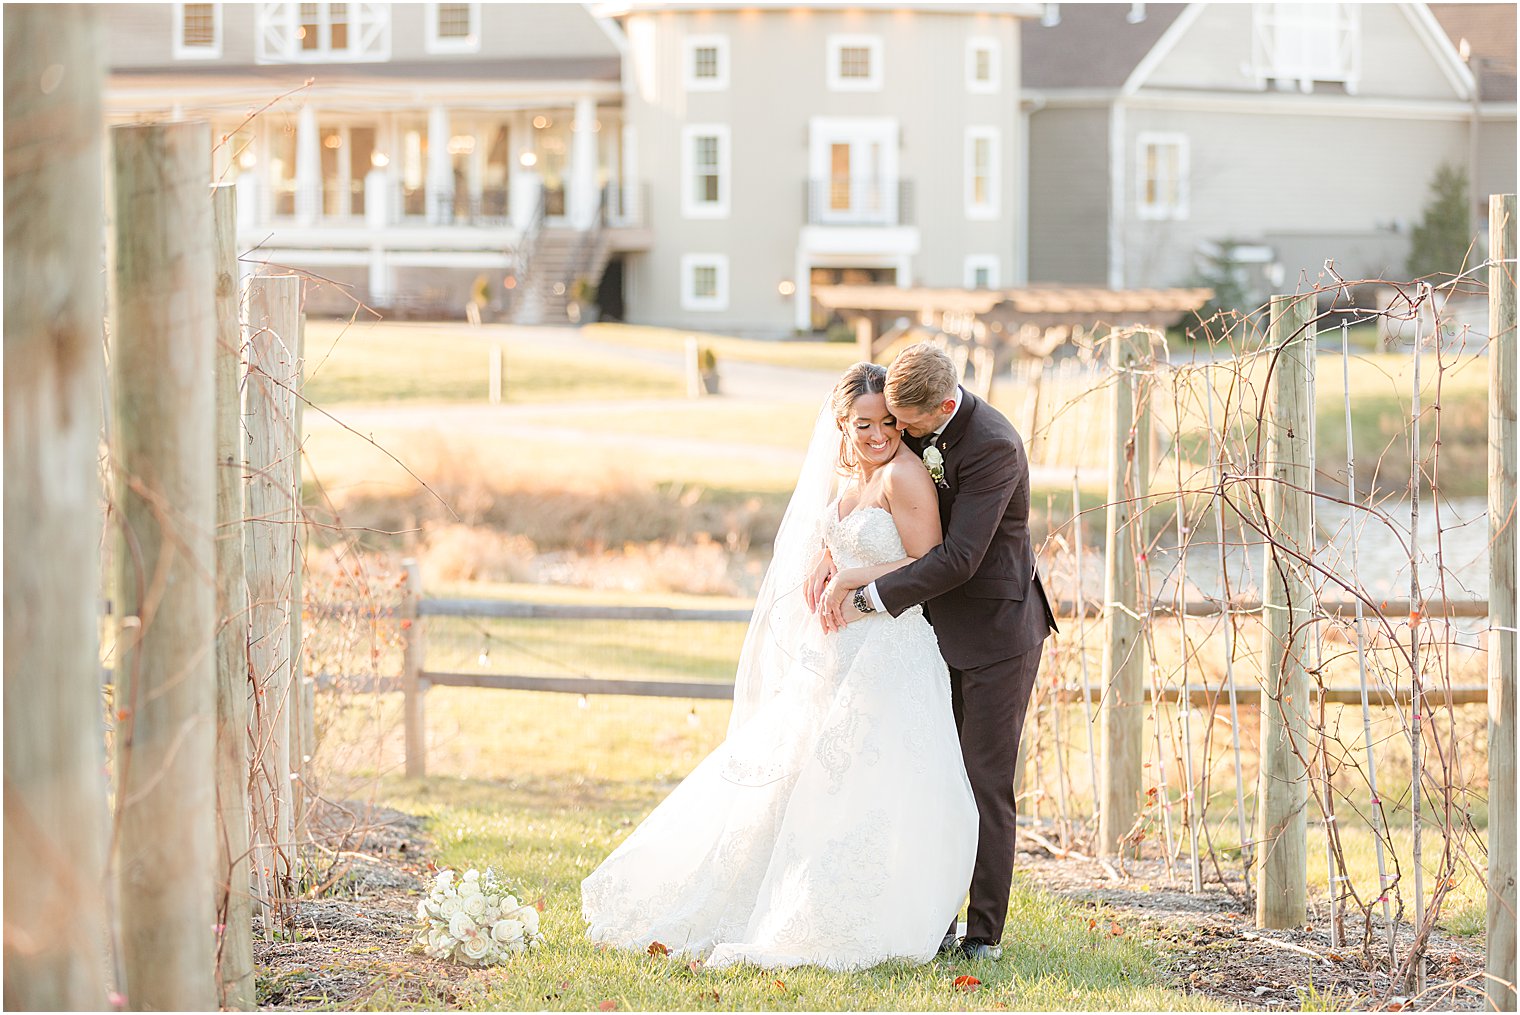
(950, 946)
(975, 948)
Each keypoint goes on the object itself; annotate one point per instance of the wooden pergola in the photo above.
(1029, 322)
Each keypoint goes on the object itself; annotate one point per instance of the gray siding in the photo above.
(1069, 195)
(1344, 179)
(1215, 54)
(777, 83)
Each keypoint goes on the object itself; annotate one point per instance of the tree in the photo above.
(1440, 243)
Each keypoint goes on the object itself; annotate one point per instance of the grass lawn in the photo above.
(370, 363)
(809, 354)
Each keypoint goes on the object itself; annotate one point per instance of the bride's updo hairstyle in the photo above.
(860, 379)
(922, 377)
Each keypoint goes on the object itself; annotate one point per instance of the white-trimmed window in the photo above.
(983, 271)
(453, 28)
(705, 170)
(1162, 176)
(197, 31)
(1301, 43)
(705, 59)
(983, 172)
(704, 281)
(323, 32)
(854, 63)
(984, 73)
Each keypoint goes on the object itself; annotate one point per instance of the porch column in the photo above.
(308, 167)
(525, 181)
(440, 168)
(582, 197)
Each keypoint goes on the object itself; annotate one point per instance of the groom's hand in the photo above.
(835, 614)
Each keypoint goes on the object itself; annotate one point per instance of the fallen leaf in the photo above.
(967, 983)
(1115, 929)
(539, 904)
(694, 966)
(1092, 924)
(608, 1006)
(1454, 960)
(713, 996)
(779, 985)
(656, 948)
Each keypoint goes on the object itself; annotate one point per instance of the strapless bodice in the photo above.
(865, 536)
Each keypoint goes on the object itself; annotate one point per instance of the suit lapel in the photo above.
(960, 423)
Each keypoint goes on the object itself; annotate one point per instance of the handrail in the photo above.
(585, 247)
(527, 246)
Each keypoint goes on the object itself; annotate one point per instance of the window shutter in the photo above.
(277, 32)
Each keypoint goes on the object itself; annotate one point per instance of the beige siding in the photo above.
(777, 83)
(1341, 180)
(1215, 53)
(1496, 159)
(1069, 195)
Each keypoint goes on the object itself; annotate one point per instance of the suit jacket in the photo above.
(979, 587)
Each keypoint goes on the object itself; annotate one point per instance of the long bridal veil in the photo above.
(784, 643)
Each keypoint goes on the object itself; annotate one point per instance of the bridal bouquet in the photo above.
(474, 920)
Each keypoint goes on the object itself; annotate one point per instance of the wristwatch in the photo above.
(863, 601)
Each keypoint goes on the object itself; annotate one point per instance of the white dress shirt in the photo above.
(871, 588)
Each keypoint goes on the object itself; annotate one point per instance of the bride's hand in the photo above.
(819, 578)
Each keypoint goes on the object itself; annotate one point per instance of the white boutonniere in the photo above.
(936, 463)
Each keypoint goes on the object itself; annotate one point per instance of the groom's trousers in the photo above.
(989, 703)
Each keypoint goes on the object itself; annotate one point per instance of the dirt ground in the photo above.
(349, 946)
(1216, 951)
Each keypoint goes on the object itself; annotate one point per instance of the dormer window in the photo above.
(321, 32)
(1297, 44)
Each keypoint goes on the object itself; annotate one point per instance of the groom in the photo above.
(984, 599)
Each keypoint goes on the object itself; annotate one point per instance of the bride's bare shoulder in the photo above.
(906, 475)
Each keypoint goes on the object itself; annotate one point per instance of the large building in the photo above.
(706, 164)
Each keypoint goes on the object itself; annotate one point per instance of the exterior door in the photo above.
(853, 172)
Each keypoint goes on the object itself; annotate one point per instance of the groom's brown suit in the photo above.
(984, 598)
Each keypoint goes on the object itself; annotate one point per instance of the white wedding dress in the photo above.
(835, 826)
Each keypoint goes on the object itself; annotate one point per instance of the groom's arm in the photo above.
(986, 485)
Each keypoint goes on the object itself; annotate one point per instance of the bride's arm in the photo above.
(915, 510)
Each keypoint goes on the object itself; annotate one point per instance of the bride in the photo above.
(835, 825)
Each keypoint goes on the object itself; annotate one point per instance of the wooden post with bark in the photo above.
(163, 369)
(274, 318)
(1123, 707)
(414, 716)
(1287, 619)
(234, 961)
(1501, 597)
(56, 915)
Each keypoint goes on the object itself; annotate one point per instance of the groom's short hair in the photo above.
(921, 377)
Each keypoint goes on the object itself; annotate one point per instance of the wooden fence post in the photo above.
(1501, 598)
(302, 729)
(163, 365)
(234, 905)
(1283, 795)
(1123, 707)
(496, 368)
(56, 915)
(865, 340)
(412, 690)
(274, 318)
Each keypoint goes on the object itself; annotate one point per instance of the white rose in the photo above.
(445, 878)
(509, 903)
(449, 907)
(529, 916)
(461, 926)
(422, 910)
(468, 888)
(493, 900)
(476, 947)
(506, 931)
(517, 947)
(475, 905)
(472, 874)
